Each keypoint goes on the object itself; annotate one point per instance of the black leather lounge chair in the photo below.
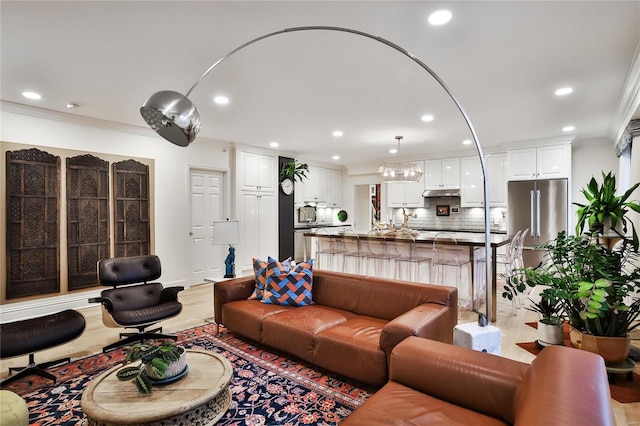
(135, 306)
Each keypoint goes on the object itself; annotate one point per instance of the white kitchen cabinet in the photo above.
(406, 194)
(497, 171)
(443, 173)
(545, 162)
(324, 186)
(256, 172)
(258, 215)
(334, 191)
(471, 182)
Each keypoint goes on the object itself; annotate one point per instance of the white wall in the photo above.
(589, 159)
(171, 205)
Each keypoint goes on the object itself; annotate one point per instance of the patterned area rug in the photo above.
(623, 389)
(268, 388)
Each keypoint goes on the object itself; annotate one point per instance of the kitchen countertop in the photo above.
(473, 239)
(318, 225)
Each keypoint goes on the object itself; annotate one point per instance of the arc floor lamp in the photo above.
(174, 117)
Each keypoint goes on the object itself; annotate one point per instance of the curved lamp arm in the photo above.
(174, 117)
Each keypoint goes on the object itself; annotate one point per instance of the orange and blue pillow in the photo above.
(289, 287)
(260, 272)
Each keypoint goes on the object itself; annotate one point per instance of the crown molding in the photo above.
(629, 105)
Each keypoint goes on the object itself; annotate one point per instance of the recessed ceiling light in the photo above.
(336, 157)
(563, 91)
(393, 151)
(440, 17)
(568, 128)
(71, 105)
(273, 144)
(32, 95)
(427, 118)
(467, 142)
(337, 133)
(221, 100)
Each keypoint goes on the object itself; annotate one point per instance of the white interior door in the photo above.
(207, 205)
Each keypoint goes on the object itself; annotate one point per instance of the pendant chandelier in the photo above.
(399, 171)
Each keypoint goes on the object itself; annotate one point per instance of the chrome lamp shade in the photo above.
(399, 172)
(173, 116)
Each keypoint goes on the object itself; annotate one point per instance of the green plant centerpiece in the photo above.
(294, 170)
(159, 360)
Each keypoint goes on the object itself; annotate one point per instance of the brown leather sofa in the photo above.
(431, 383)
(352, 326)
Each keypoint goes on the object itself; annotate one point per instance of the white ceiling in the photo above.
(502, 61)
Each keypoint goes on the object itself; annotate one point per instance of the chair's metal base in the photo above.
(138, 337)
(33, 369)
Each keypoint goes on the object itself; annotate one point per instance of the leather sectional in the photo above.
(431, 383)
(352, 326)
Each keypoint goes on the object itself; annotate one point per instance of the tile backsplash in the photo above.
(466, 219)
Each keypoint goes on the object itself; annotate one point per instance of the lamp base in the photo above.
(230, 275)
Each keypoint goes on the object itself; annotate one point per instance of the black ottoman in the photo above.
(35, 334)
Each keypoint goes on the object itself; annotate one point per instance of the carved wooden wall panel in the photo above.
(131, 195)
(87, 218)
(33, 188)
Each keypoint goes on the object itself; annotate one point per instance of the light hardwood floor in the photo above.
(198, 305)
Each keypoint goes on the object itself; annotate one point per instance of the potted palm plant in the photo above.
(160, 362)
(605, 211)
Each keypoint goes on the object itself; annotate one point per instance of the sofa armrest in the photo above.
(429, 320)
(479, 381)
(228, 291)
(565, 386)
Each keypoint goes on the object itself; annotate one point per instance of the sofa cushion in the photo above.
(294, 329)
(245, 316)
(260, 273)
(352, 349)
(289, 287)
(396, 404)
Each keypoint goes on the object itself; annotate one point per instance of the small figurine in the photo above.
(406, 217)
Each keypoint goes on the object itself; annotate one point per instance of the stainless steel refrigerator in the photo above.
(540, 206)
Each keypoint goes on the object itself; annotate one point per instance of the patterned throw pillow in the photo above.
(260, 272)
(292, 288)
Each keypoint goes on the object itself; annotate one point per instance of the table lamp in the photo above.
(227, 232)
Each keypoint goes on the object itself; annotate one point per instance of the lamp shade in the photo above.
(173, 116)
(226, 232)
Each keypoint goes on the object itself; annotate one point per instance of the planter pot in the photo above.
(175, 367)
(613, 349)
(550, 334)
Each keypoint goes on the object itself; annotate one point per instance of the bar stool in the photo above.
(353, 255)
(448, 264)
(329, 250)
(381, 252)
(411, 265)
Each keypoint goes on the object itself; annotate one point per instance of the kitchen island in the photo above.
(462, 239)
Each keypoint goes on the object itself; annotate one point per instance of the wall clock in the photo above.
(287, 186)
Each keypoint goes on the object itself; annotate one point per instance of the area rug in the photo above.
(622, 390)
(268, 387)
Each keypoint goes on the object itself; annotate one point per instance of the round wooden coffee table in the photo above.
(201, 397)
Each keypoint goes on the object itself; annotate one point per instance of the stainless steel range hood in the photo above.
(441, 193)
